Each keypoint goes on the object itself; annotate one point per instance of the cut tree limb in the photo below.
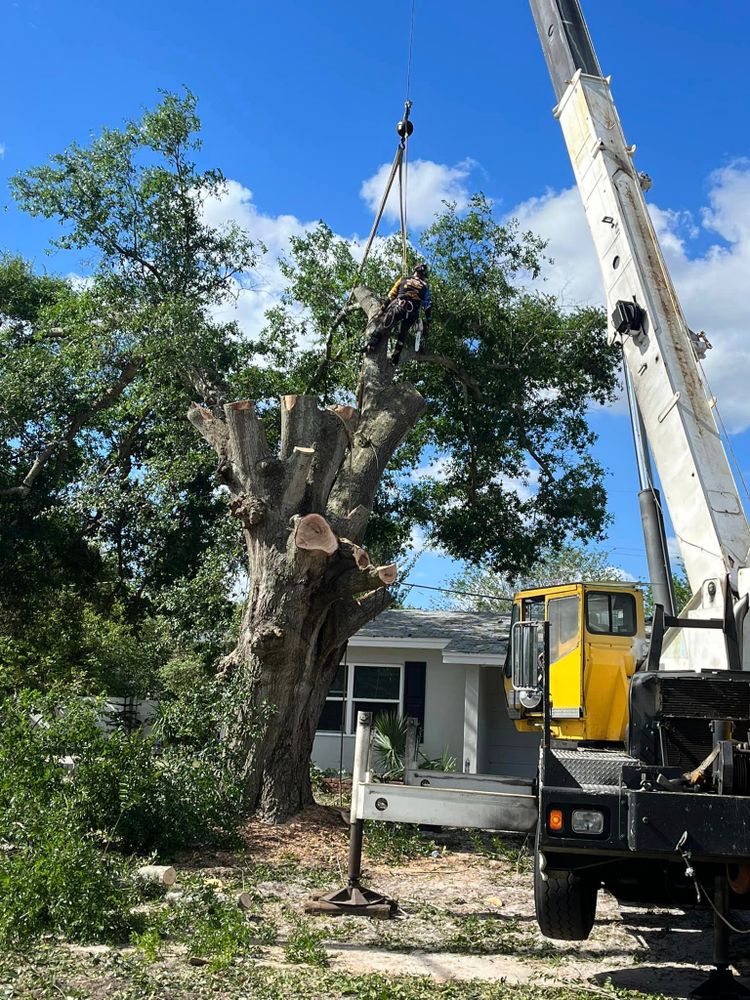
(357, 553)
(373, 578)
(213, 431)
(248, 446)
(158, 875)
(329, 430)
(297, 469)
(312, 533)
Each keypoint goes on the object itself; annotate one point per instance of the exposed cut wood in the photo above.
(388, 574)
(360, 555)
(297, 469)
(314, 534)
(158, 875)
(345, 412)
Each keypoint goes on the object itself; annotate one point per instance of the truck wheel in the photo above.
(565, 902)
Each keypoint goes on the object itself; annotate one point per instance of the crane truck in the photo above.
(643, 784)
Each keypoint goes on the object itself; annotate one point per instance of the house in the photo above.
(444, 668)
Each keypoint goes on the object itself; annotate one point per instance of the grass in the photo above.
(396, 843)
(515, 851)
(51, 973)
(305, 946)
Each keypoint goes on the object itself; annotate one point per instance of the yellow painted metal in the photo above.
(589, 673)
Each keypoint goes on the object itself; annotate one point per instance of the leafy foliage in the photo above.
(120, 789)
(106, 496)
(305, 946)
(389, 747)
(62, 883)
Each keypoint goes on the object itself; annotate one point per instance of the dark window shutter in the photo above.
(414, 687)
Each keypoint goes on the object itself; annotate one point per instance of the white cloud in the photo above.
(429, 185)
(711, 282)
(558, 217)
(525, 487)
(253, 300)
(2, 150)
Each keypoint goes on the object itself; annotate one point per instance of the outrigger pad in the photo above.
(721, 985)
(353, 901)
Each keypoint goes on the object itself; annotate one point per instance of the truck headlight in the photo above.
(590, 821)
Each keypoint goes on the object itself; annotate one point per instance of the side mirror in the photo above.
(525, 666)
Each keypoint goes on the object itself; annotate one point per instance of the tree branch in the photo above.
(127, 373)
(441, 361)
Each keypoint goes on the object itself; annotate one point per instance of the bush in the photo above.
(124, 786)
(72, 795)
(63, 884)
(389, 747)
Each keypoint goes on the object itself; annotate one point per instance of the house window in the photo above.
(363, 687)
(335, 705)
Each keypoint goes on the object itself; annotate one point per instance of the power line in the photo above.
(463, 593)
(509, 600)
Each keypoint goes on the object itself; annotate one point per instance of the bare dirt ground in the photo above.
(468, 913)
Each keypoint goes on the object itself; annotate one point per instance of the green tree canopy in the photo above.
(110, 515)
(484, 590)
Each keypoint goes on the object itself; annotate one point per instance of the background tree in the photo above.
(109, 519)
(490, 591)
(498, 398)
(335, 453)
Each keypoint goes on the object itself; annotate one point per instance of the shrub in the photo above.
(389, 746)
(143, 793)
(61, 883)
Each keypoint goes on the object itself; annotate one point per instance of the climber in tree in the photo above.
(402, 311)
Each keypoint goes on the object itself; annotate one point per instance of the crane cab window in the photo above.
(533, 609)
(610, 614)
(563, 613)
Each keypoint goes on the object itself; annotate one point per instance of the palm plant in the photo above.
(389, 748)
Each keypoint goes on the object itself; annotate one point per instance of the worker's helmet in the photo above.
(421, 270)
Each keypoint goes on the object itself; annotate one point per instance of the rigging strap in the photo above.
(398, 169)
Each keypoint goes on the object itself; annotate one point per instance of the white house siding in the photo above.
(503, 750)
(444, 705)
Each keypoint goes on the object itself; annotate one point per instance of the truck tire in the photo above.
(565, 902)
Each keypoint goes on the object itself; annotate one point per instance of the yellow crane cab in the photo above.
(596, 642)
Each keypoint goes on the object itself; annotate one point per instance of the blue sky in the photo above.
(298, 102)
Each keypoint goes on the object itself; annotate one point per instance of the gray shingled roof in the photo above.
(471, 632)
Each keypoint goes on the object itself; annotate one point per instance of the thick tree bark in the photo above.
(304, 513)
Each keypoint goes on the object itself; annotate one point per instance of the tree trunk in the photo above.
(304, 513)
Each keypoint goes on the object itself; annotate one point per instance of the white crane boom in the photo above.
(646, 318)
